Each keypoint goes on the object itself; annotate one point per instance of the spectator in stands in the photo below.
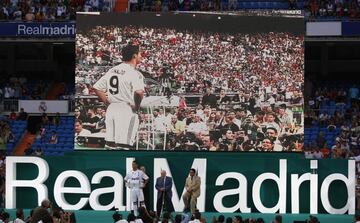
(209, 99)
(229, 142)
(29, 17)
(11, 137)
(177, 126)
(53, 138)
(320, 140)
(317, 154)
(56, 119)
(197, 126)
(38, 151)
(292, 4)
(23, 116)
(229, 123)
(45, 119)
(267, 145)
(79, 130)
(12, 115)
(91, 120)
(270, 121)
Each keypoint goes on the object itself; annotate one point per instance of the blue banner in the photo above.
(22, 29)
(351, 28)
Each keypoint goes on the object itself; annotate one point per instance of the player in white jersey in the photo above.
(122, 87)
(136, 180)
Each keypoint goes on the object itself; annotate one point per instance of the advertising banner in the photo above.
(44, 106)
(323, 29)
(51, 29)
(246, 182)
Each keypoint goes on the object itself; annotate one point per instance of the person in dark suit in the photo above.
(163, 186)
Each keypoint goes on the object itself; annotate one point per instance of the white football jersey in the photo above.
(135, 179)
(120, 83)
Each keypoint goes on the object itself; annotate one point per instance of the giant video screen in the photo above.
(189, 82)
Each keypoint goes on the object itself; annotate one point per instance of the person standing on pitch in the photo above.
(192, 186)
(136, 180)
(163, 185)
(122, 88)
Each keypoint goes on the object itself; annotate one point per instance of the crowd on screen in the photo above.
(266, 96)
(332, 9)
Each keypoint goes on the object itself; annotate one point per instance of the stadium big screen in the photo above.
(210, 82)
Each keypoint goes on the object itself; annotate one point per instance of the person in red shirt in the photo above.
(12, 115)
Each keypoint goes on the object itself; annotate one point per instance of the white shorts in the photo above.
(136, 195)
(121, 124)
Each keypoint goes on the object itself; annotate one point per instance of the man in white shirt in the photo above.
(122, 88)
(197, 218)
(79, 130)
(19, 216)
(198, 125)
(270, 122)
(136, 180)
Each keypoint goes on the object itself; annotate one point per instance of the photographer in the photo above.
(292, 142)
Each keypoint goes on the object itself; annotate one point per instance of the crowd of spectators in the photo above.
(249, 84)
(65, 10)
(183, 5)
(6, 135)
(336, 112)
(40, 10)
(47, 213)
(332, 9)
(21, 88)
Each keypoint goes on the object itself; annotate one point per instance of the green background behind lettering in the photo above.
(251, 165)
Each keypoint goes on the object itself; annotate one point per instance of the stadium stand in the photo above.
(65, 135)
(49, 11)
(331, 121)
(18, 128)
(332, 10)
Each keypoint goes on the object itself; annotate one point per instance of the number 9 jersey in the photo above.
(120, 83)
(121, 122)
